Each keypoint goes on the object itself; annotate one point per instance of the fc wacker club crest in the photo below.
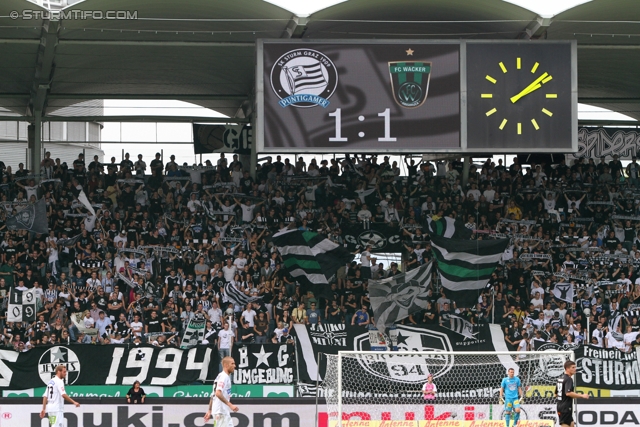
(410, 82)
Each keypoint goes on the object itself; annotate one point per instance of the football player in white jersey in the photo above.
(220, 405)
(54, 397)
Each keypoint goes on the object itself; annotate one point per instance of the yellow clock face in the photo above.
(539, 80)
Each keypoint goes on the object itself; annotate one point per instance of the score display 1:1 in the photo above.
(387, 126)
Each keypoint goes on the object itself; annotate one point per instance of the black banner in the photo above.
(597, 142)
(602, 368)
(598, 368)
(382, 237)
(264, 364)
(222, 139)
(332, 338)
(105, 365)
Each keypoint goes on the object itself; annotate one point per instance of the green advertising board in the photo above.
(184, 391)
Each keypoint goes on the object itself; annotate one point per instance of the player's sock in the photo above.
(507, 418)
(516, 417)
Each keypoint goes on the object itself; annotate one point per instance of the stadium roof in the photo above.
(202, 51)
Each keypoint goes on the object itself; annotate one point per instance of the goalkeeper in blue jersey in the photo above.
(511, 395)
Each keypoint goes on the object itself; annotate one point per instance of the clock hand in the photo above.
(539, 85)
(535, 85)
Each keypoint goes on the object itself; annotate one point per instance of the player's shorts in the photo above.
(511, 404)
(222, 420)
(56, 419)
(565, 418)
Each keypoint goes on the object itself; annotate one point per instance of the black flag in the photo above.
(32, 218)
(69, 242)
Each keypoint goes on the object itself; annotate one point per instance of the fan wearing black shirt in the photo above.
(218, 282)
(565, 394)
(611, 242)
(154, 324)
(122, 325)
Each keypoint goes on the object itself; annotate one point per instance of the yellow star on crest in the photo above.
(409, 52)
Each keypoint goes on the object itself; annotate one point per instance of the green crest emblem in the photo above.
(410, 82)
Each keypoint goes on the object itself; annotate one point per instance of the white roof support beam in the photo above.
(295, 28)
(536, 28)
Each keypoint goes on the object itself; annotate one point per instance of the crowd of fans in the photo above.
(167, 238)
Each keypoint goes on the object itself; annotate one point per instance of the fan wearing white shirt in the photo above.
(489, 194)
(54, 397)
(247, 210)
(249, 315)
(93, 282)
(624, 282)
(229, 270)
(215, 314)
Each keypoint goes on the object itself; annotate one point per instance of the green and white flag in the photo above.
(311, 259)
(193, 333)
(465, 266)
(448, 227)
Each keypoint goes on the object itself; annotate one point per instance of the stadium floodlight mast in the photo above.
(388, 385)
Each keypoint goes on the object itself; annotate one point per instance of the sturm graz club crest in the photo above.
(374, 238)
(412, 369)
(551, 367)
(55, 356)
(410, 82)
(304, 78)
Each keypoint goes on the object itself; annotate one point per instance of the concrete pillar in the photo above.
(254, 151)
(34, 141)
(465, 171)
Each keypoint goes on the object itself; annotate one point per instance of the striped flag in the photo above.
(238, 297)
(311, 259)
(465, 266)
(614, 321)
(400, 296)
(448, 227)
(303, 77)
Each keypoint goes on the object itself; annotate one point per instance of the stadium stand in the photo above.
(573, 223)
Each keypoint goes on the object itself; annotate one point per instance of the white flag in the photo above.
(564, 292)
(82, 198)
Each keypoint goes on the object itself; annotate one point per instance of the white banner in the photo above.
(159, 415)
(295, 414)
